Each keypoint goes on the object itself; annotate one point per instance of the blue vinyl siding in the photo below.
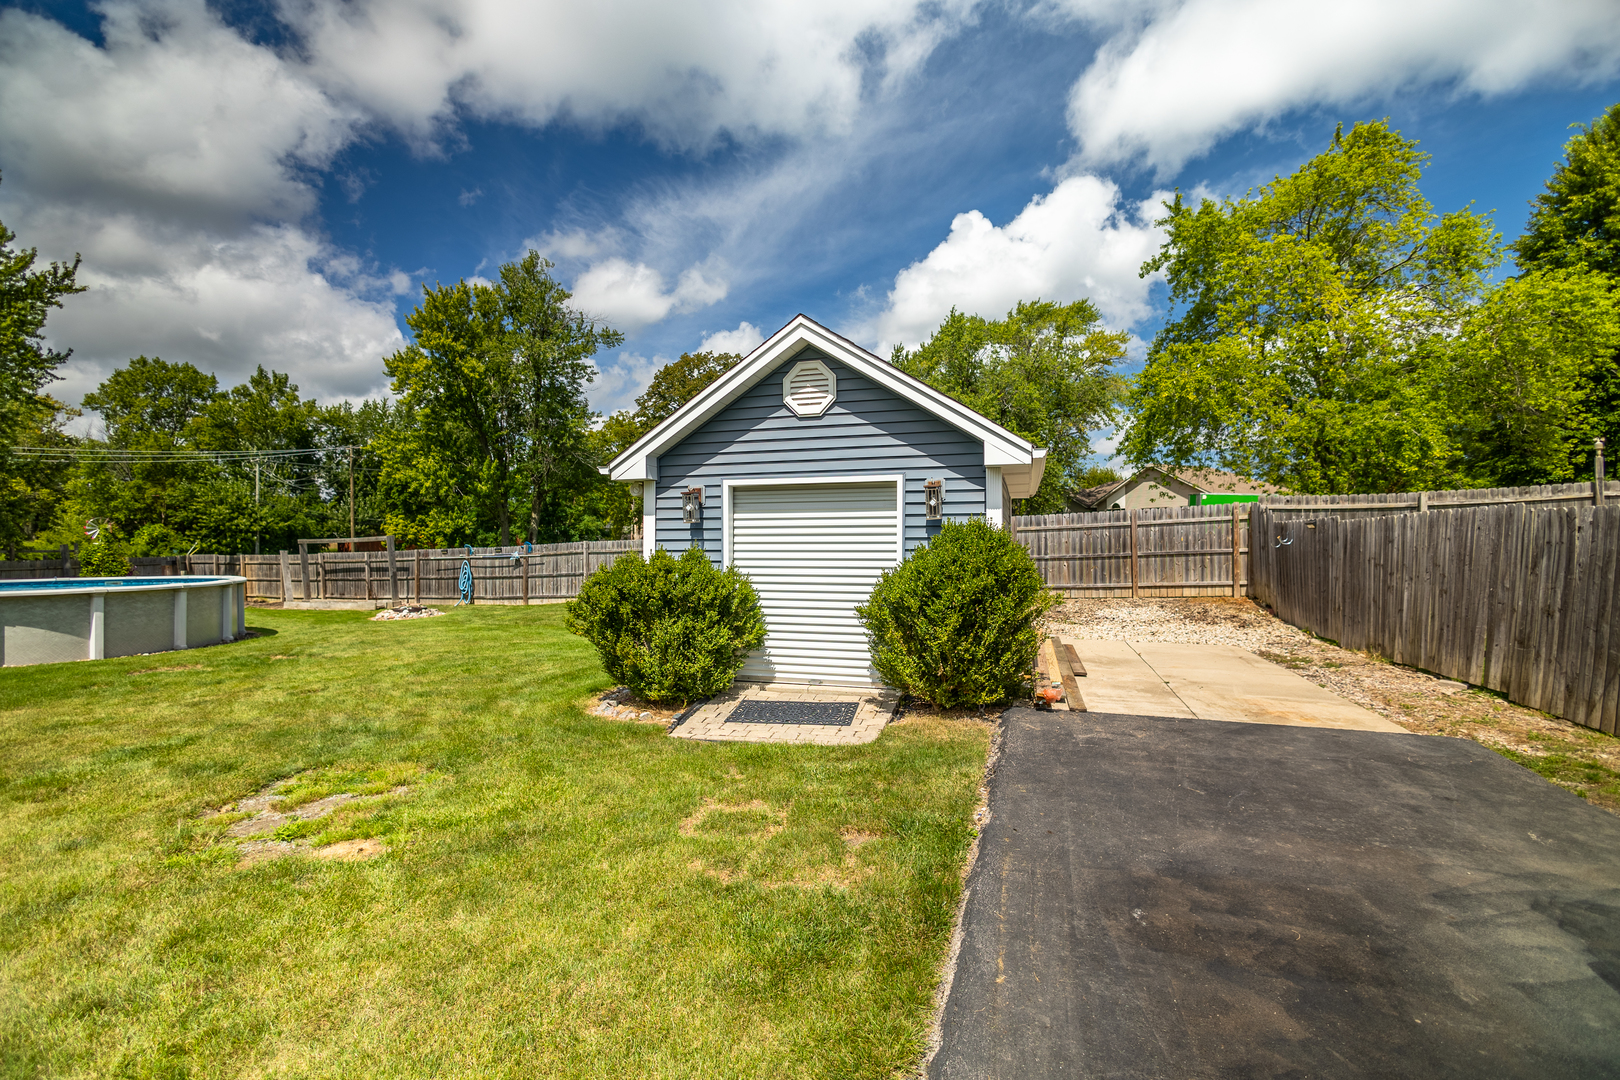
(867, 431)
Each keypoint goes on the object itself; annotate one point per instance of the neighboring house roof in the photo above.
(1021, 462)
(1200, 480)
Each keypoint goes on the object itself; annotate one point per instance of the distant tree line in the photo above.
(1327, 333)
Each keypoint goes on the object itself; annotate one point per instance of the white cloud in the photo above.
(173, 159)
(177, 117)
(629, 296)
(1075, 242)
(687, 72)
(744, 340)
(225, 305)
(1165, 90)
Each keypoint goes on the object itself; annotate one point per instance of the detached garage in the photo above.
(813, 466)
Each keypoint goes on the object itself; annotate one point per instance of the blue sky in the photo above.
(270, 183)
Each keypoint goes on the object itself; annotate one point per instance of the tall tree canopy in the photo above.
(493, 390)
(28, 491)
(1046, 372)
(1328, 335)
(1574, 227)
(152, 482)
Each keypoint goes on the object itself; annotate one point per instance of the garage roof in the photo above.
(1021, 462)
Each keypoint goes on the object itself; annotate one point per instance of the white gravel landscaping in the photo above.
(1194, 621)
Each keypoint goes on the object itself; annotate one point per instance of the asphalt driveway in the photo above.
(1201, 898)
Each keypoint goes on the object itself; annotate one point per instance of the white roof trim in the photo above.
(1001, 447)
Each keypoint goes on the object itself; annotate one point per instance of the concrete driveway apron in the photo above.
(1183, 897)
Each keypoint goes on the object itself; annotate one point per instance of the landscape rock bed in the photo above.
(1584, 761)
(405, 611)
(620, 704)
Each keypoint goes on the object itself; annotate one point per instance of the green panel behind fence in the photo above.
(1214, 498)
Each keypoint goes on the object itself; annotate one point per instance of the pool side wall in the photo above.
(44, 628)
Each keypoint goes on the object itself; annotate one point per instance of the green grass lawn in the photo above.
(560, 895)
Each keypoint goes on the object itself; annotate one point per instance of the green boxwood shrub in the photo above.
(670, 630)
(954, 624)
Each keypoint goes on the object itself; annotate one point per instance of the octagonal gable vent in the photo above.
(810, 388)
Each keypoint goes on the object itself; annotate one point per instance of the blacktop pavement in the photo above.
(1190, 897)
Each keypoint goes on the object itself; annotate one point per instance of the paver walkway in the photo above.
(874, 710)
(1202, 899)
(1210, 682)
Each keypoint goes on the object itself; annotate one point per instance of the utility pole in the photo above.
(255, 504)
(351, 498)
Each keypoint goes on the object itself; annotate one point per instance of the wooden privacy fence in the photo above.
(1191, 550)
(1521, 600)
(1583, 493)
(547, 572)
(1154, 551)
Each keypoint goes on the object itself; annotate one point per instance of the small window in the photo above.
(810, 388)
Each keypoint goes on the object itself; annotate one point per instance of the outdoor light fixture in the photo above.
(934, 500)
(692, 505)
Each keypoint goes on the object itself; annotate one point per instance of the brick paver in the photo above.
(709, 722)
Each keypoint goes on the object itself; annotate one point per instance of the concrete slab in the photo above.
(1222, 682)
(1118, 680)
(1204, 900)
(1213, 682)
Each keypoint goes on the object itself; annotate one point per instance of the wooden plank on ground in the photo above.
(1075, 664)
(1071, 686)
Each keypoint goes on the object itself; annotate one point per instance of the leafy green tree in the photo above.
(494, 386)
(236, 502)
(28, 489)
(1574, 227)
(147, 407)
(1046, 372)
(1524, 381)
(1328, 336)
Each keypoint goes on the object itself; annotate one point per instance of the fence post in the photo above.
(1423, 501)
(286, 577)
(64, 553)
(303, 562)
(1236, 545)
(416, 585)
(393, 572)
(523, 564)
(1597, 472)
(1135, 573)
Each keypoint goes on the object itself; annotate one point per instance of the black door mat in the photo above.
(821, 713)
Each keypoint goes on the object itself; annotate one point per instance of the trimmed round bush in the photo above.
(954, 624)
(670, 630)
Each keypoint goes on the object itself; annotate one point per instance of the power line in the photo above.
(64, 453)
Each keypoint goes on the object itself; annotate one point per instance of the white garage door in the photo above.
(813, 552)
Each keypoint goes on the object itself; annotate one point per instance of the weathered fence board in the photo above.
(1515, 598)
(1153, 552)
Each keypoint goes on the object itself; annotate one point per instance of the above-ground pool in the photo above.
(48, 620)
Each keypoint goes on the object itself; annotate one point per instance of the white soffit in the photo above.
(1001, 447)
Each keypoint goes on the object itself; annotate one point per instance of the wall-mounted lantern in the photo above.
(692, 505)
(934, 500)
